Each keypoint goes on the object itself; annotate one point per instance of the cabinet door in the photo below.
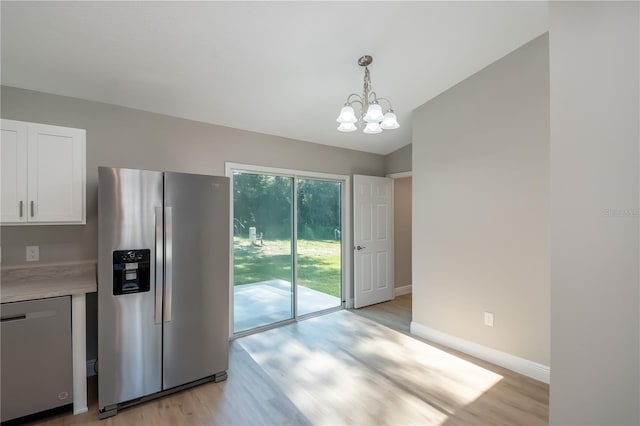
(13, 168)
(56, 174)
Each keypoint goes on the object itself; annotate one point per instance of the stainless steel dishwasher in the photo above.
(36, 371)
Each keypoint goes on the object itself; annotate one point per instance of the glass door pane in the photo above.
(262, 255)
(319, 245)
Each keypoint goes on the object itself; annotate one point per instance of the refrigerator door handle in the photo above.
(159, 266)
(168, 263)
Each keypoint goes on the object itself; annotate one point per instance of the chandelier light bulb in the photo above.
(374, 114)
(390, 121)
(347, 115)
(372, 128)
(347, 127)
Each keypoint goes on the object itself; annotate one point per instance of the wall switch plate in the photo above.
(488, 319)
(33, 253)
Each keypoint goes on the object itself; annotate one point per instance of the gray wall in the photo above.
(481, 194)
(399, 160)
(402, 230)
(124, 137)
(594, 53)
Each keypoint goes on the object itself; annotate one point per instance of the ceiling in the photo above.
(281, 68)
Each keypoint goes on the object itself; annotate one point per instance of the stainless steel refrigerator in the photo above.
(163, 283)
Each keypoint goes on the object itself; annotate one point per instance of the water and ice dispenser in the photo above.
(131, 271)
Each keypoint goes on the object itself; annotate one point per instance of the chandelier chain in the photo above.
(367, 89)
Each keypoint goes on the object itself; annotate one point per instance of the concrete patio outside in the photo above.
(267, 302)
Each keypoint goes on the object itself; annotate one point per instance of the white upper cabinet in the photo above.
(13, 163)
(43, 174)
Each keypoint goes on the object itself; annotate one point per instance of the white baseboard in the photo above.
(91, 367)
(519, 365)
(405, 289)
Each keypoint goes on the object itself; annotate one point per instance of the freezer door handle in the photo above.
(168, 263)
(159, 263)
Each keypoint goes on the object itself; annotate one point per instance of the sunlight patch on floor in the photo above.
(344, 366)
(462, 381)
(328, 387)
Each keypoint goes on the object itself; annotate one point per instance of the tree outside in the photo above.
(264, 202)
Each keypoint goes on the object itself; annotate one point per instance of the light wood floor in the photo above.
(349, 367)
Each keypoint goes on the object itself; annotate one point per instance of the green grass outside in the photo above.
(318, 263)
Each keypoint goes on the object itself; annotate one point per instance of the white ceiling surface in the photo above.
(281, 68)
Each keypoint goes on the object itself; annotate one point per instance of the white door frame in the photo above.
(407, 289)
(400, 175)
(346, 221)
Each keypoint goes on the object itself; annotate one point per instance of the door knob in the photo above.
(360, 248)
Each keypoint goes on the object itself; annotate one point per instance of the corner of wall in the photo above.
(399, 160)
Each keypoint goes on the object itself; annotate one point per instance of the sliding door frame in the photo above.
(345, 258)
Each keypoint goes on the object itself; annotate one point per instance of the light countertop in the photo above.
(28, 282)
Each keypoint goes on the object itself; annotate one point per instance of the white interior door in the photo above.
(373, 240)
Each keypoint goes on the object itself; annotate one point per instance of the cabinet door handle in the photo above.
(31, 208)
(20, 208)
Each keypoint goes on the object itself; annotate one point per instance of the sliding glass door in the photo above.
(262, 250)
(287, 247)
(319, 245)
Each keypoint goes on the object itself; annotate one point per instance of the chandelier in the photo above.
(370, 109)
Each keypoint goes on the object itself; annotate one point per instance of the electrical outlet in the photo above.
(33, 253)
(488, 319)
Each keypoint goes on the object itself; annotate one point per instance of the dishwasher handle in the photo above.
(13, 318)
